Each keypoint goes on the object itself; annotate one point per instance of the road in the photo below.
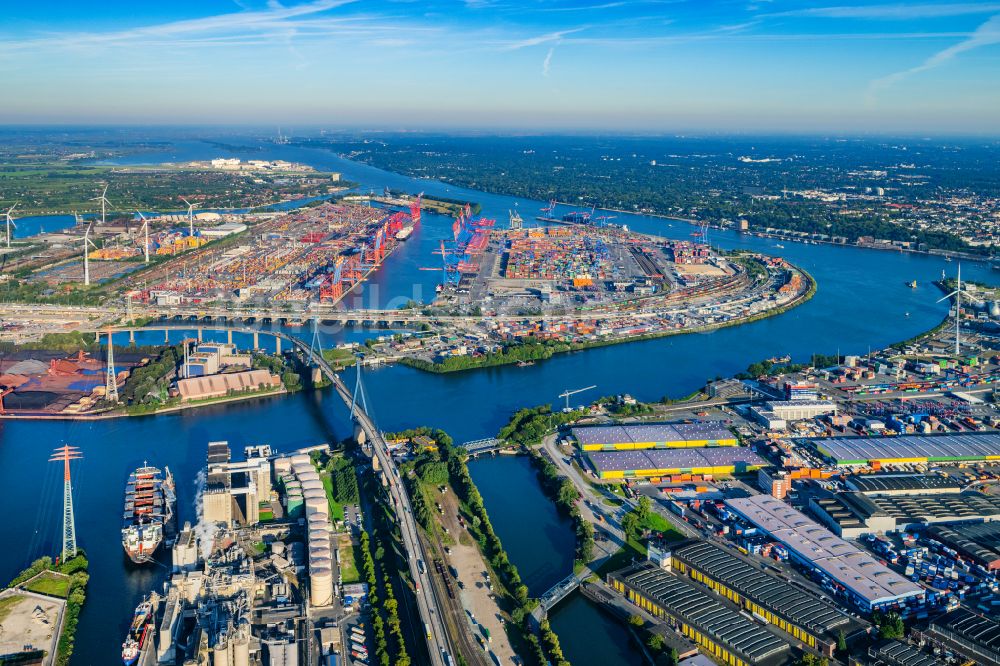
(438, 645)
(611, 524)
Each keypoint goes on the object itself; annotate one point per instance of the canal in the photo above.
(863, 302)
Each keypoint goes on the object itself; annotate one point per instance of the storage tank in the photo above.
(240, 647)
(316, 507)
(312, 484)
(220, 654)
(301, 458)
(995, 309)
(321, 586)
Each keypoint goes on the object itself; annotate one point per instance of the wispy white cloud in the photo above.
(275, 20)
(986, 34)
(899, 11)
(540, 39)
(547, 63)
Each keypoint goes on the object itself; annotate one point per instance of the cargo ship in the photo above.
(138, 633)
(149, 511)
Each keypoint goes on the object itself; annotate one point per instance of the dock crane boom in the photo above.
(567, 393)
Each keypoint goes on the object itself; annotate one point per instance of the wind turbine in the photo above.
(86, 253)
(190, 216)
(145, 231)
(957, 294)
(10, 223)
(104, 203)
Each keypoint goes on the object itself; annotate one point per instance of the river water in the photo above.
(862, 302)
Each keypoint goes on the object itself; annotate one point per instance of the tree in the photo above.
(636, 620)
(642, 509)
(655, 642)
(630, 523)
(841, 642)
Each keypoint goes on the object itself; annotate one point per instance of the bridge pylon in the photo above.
(316, 346)
(359, 390)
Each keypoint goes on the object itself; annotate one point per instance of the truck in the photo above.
(420, 567)
(427, 630)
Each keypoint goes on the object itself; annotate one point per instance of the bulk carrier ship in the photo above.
(149, 511)
(138, 633)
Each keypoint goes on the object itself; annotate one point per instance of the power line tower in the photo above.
(64, 454)
(111, 384)
(359, 389)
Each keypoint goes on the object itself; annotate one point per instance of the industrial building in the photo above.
(812, 621)
(962, 447)
(776, 414)
(853, 514)
(319, 529)
(976, 637)
(849, 515)
(217, 386)
(842, 567)
(654, 463)
(979, 542)
(235, 490)
(902, 484)
(721, 631)
(658, 436)
(898, 653)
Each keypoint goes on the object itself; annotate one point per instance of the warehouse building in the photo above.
(974, 636)
(217, 386)
(796, 410)
(963, 447)
(852, 514)
(898, 653)
(842, 567)
(979, 542)
(653, 436)
(902, 484)
(849, 515)
(813, 622)
(722, 632)
(653, 463)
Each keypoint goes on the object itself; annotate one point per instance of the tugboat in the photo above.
(912, 284)
(138, 633)
(149, 510)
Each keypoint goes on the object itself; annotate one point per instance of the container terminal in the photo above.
(312, 255)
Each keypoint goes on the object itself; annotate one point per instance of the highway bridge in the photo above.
(438, 644)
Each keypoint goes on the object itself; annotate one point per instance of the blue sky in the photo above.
(661, 65)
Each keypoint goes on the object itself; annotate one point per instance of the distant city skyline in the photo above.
(603, 65)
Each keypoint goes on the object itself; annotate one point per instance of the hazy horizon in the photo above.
(646, 66)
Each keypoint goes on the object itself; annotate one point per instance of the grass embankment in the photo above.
(71, 586)
(541, 351)
(382, 561)
(339, 358)
(51, 584)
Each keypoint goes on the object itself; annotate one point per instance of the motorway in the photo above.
(438, 645)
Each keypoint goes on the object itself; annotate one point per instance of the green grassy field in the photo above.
(336, 508)
(58, 187)
(51, 584)
(348, 564)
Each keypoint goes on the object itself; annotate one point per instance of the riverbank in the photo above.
(60, 587)
(552, 348)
